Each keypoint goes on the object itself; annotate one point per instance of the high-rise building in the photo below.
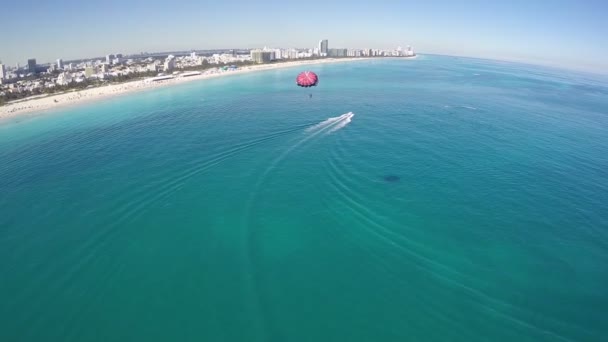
(2, 71)
(337, 52)
(169, 64)
(109, 59)
(292, 54)
(60, 63)
(323, 47)
(259, 56)
(31, 65)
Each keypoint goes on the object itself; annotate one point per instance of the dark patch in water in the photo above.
(391, 178)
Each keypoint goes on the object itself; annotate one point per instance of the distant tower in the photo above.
(109, 59)
(60, 63)
(31, 65)
(169, 64)
(2, 71)
(323, 47)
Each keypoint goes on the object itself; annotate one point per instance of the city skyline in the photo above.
(322, 49)
(30, 63)
(561, 33)
(35, 79)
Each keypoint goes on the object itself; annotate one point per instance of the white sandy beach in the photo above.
(39, 104)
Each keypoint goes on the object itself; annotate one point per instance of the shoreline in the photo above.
(41, 104)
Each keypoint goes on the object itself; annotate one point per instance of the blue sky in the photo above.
(564, 33)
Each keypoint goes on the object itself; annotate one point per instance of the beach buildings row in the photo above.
(34, 76)
(266, 54)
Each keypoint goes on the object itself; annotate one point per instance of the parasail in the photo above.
(307, 79)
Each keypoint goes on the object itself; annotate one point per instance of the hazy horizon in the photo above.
(562, 33)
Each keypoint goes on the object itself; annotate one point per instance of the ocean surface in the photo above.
(436, 199)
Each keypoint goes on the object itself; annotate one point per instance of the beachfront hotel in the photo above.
(323, 46)
(261, 56)
(2, 71)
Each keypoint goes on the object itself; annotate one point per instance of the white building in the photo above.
(169, 63)
(292, 54)
(152, 67)
(323, 47)
(409, 52)
(60, 64)
(304, 54)
(109, 59)
(89, 72)
(64, 78)
(3, 74)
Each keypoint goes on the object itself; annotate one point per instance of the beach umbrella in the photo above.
(307, 79)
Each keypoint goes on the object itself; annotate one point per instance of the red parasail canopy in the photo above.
(307, 79)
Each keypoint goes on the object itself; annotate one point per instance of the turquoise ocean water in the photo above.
(463, 200)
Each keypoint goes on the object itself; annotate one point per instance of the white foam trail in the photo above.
(327, 122)
(314, 131)
(345, 121)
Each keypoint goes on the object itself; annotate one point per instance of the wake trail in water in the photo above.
(345, 121)
(325, 126)
(330, 122)
(134, 210)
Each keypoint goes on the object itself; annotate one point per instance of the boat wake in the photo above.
(326, 126)
(331, 124)
(345, 121)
